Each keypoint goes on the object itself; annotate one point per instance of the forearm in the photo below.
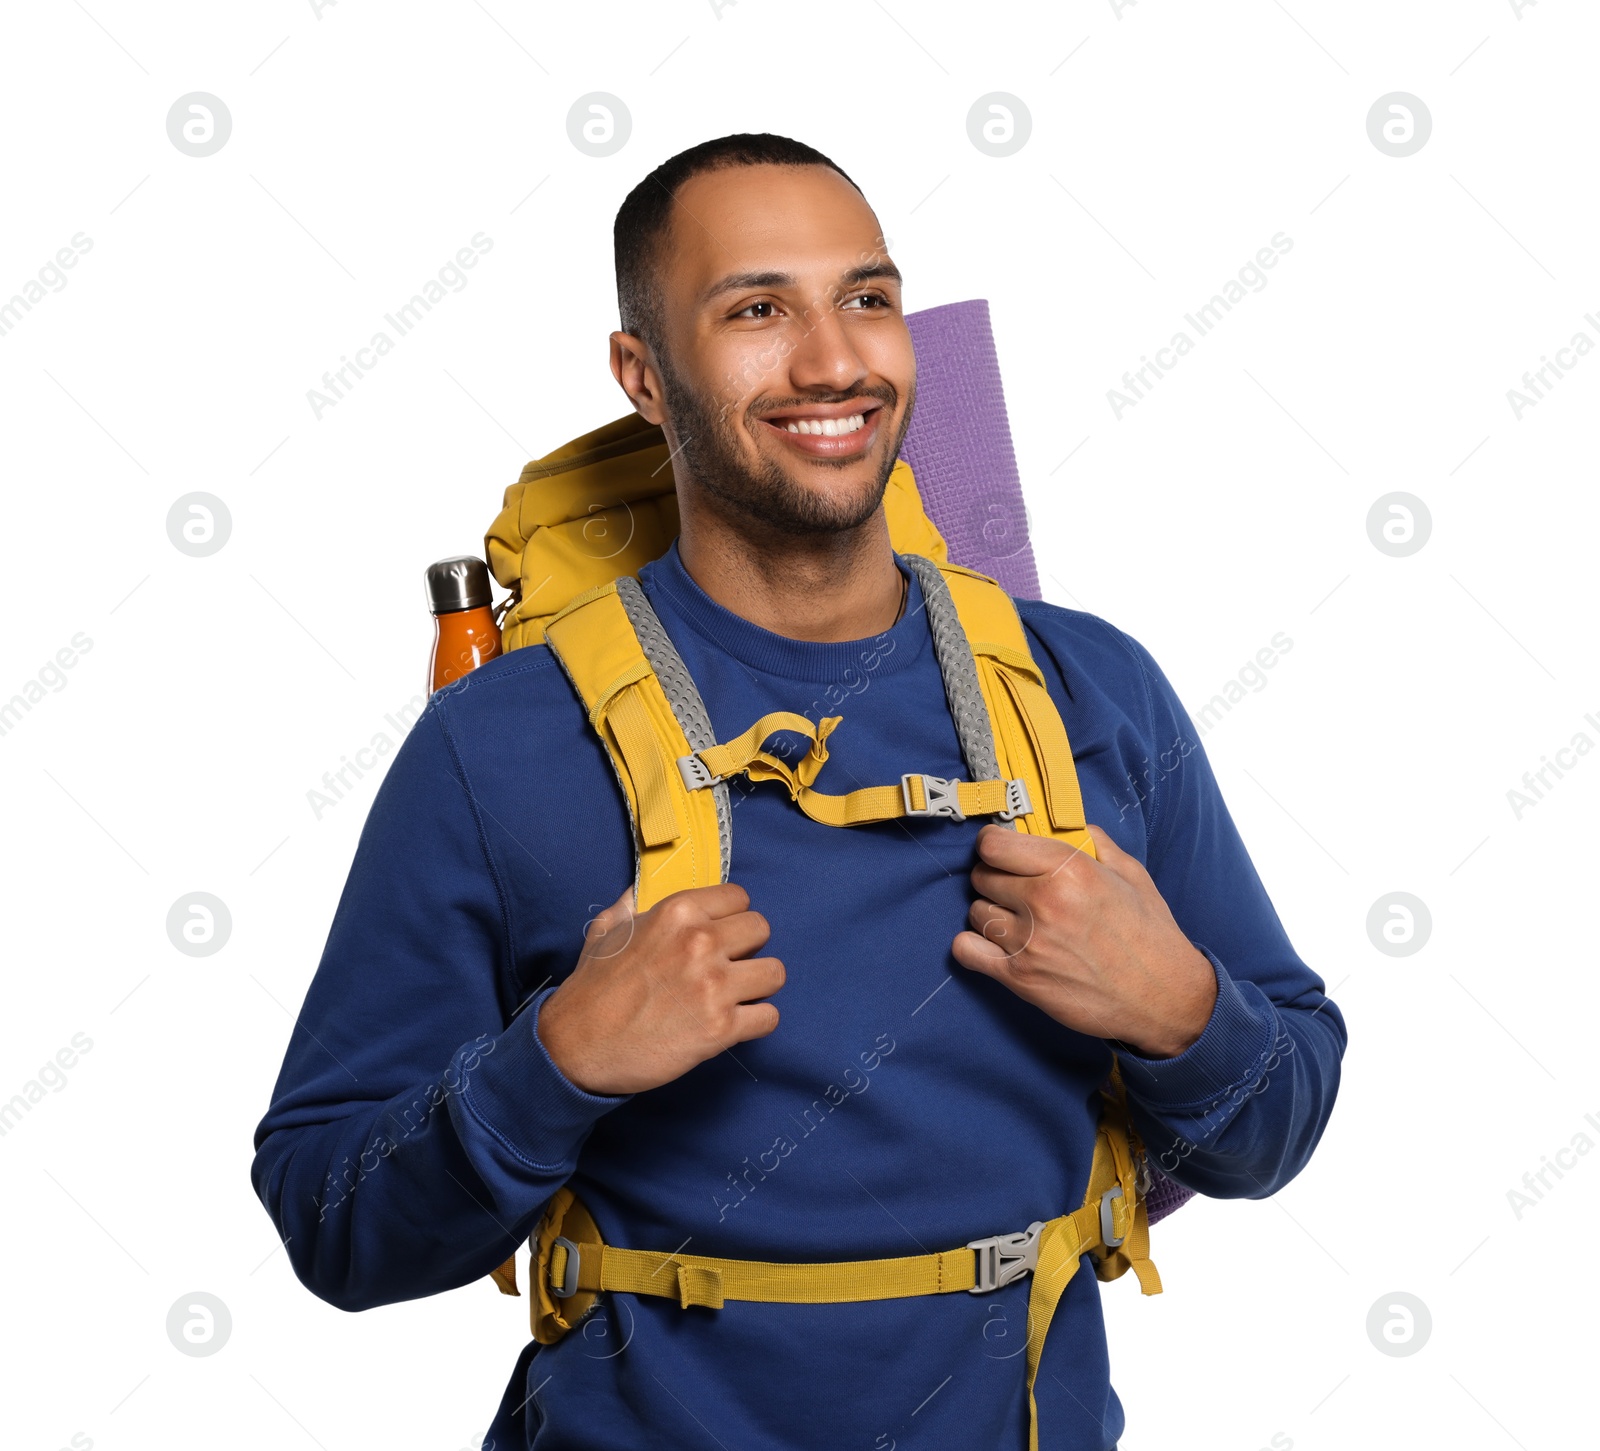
(1238, 1114)
(378, 1202)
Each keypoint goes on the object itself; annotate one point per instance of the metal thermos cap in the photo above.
(455, 584)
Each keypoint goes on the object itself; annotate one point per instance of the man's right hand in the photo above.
(655, 994)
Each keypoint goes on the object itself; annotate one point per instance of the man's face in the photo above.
(785, 361)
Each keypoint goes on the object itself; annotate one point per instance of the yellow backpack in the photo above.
(574, 530)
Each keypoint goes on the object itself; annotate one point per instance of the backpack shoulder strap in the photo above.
(643, 704)
(1008, 724)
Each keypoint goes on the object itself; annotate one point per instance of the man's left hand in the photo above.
(1091, 943)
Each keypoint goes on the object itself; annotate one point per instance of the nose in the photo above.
(825, 358)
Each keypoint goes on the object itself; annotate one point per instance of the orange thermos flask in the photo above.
(465, 634)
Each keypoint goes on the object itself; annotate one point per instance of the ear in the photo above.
(635, 371)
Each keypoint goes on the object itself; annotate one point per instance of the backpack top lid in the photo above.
(605, 504)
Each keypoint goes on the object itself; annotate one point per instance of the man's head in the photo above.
(762, 327)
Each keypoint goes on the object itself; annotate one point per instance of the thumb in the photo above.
(1106, 851)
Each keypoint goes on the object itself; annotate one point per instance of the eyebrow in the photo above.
(742, 281)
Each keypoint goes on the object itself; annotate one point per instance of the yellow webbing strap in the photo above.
(1111, 1201)
(728, 758)
(854, 808)
(675, 829)
(1030, 740)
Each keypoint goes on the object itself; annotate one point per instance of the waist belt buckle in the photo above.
(569, 1280)
(1108, 1235)
(1003, 1258)
(939, 797)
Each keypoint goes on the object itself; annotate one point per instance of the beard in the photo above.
(766, 494)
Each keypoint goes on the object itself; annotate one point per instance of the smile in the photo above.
(828, 427)
(826, 432)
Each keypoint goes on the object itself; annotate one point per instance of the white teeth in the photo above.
(829, 427)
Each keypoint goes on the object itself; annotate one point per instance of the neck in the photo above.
(822, 588)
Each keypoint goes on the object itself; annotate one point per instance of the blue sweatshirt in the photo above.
(903, 1105)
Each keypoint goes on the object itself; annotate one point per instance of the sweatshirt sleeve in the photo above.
(1238, 1114)
(418, 1126)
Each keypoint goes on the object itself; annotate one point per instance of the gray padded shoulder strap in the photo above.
(681, 694)
(960, 671)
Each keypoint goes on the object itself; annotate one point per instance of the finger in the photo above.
(1021, 854)
(1110, 854)
(754, 978)
(721, 900)
(742, 933)
(1009, 931)
(978, 954)
(753, 1021)
(1004, 888)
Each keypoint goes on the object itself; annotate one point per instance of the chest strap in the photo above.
(918, 794)
(644, 706)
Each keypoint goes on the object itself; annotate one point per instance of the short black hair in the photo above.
(646, 212)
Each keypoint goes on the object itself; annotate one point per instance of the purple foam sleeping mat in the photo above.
(959, 448)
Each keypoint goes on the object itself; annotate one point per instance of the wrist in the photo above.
(1190, 1004)
(559, 1046)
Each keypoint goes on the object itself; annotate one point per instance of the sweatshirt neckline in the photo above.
(666, 580)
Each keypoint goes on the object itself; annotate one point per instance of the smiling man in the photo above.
(814, 1146)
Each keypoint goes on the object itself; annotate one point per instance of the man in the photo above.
(868, 1042)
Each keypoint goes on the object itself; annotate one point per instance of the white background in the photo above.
(1169, 143)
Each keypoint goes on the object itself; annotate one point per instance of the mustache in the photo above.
(886, 394)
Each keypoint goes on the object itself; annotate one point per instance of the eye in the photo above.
(755, 310)
(866, 302)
